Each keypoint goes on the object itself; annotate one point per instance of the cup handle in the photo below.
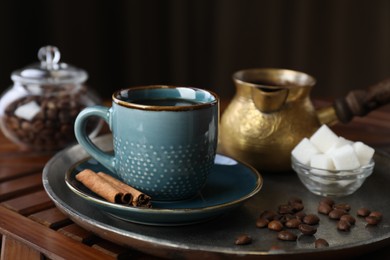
(80, 131)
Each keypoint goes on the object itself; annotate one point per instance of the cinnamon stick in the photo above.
(99, 186)
(140, 199)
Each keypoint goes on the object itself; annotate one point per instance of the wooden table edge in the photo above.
(45, 240)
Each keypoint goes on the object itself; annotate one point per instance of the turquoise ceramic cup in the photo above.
(164, 138)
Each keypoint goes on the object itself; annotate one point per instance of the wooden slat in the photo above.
(8, 148)
(12, 188)
(29, 161)
(9, 172)
(45, 240)
(52, 218)
(13, 249)
(29, 203)
(79, 234)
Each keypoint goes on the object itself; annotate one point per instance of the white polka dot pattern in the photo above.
(165, 171)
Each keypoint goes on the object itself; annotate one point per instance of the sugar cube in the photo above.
(304, 150)
(344, 158)
(363, 152)
(324, 138)
(340, 142)
(321, 161)
(325, 150)
(28, 111)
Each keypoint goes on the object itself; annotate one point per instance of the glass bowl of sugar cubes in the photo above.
(330, 165)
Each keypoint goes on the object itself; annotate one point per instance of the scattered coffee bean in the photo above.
(324, 208)
(296, 206)
(293, 223)
(376, 214)
(286, 218)
(307, 229)
(363, 212)
(275, 225)
(321, 243)
(262, 222)
(311, 219)
(291, 216)
(294, 200)
(243, 239)
(372, 220)
(287, 235)
(268, 214)
(343, 225)
(300, 215)
(285, 209)
(327, 201)
(348, 218)
(343, 206)
(336, 214)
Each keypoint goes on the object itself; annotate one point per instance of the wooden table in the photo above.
(33, 228)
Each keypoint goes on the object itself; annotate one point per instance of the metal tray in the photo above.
(215, 238)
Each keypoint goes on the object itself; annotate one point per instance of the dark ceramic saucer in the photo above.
(229, 185)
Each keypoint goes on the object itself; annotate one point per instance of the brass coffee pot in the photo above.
(271, 112)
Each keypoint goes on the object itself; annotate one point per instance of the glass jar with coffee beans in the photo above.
(39, 110)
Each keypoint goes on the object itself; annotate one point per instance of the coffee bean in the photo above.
(291, 216)
(311, 219)
(243, 239)
(343, 206)
(286, 217)
(26, 126)
(293, 223)
(268, 214)
(38, 125)
(297, 206)
(294, 200)
(351, 220)
(277, 217)
(321, 243)
(372, 220)
(287, 235)
(336, 214)
(324, 208)
(307, 229)
(44, 130)
(376, 214)
(275, 225)
(327, 201)
(363, 212)
(285, 209)
(262, 222)
(51, 113)
(300, 215)
(64, 117)
(343, 225)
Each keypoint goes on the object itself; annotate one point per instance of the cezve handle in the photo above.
(361, 102)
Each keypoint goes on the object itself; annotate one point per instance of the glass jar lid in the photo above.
(49, 70)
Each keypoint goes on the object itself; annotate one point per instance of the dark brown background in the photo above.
(345, 44)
